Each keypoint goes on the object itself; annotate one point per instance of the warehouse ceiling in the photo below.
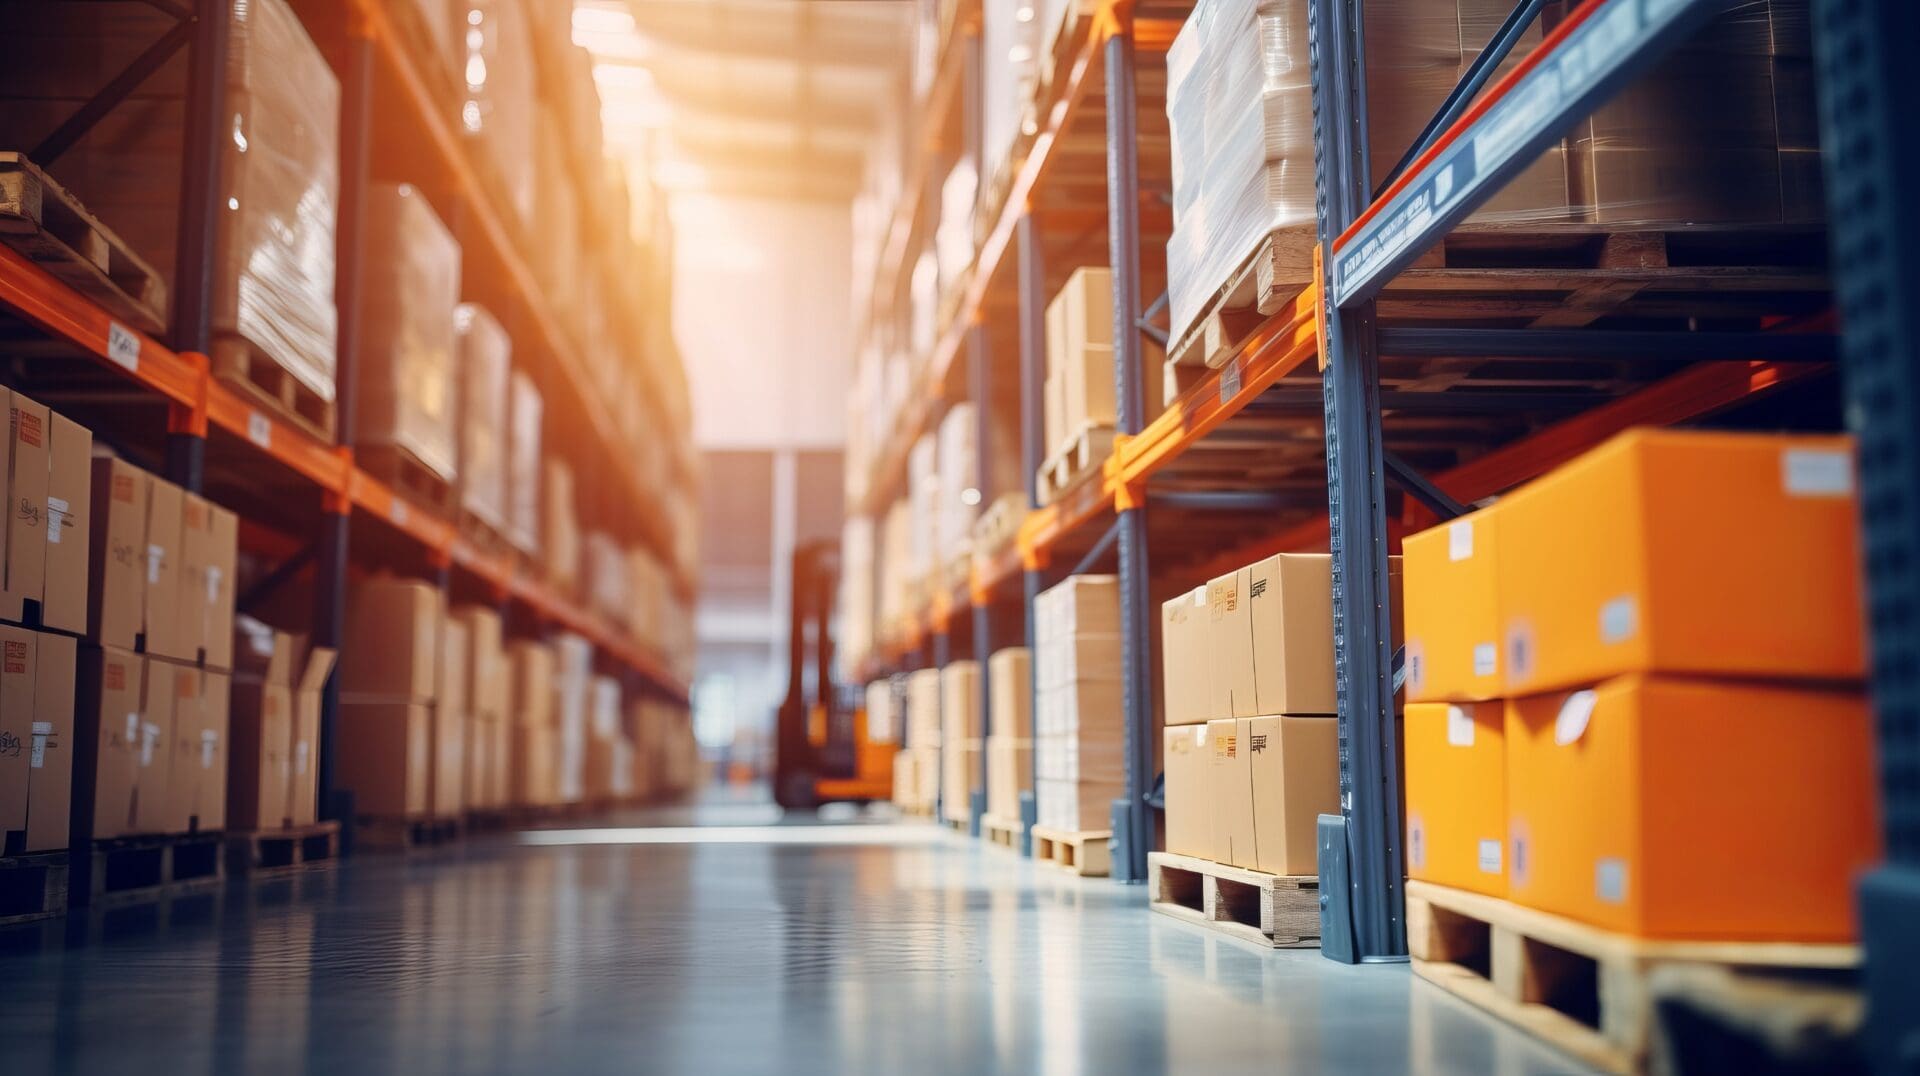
(772, 98)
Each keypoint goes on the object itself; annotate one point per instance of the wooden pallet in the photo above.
(1004, 832)
(961, 826)
(52, 229)
(274, 851)
(405, 833)
(1084, 853)
(487, 537)
(1267, 909)
(998, 525)
(32, 888)
(140, 870)
(254, 374)
(412, 479)
(1594, 994)
(1265, 281)
(1082, 457)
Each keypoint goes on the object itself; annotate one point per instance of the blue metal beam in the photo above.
(1616, 40)
(1633, 346)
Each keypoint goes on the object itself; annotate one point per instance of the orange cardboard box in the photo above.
(1692, 809)
(1452, 610)
(1684, 552)
(197, 757)
(50, 751)
(18, 647)
(1456, 762)
(1230, 785)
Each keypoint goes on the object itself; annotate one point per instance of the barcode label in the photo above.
(123, 348)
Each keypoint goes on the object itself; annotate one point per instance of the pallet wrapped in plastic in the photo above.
(498, 108)
(485, 353)
(560, 546)
(404, 386)
(524, 408)
(1009, 45)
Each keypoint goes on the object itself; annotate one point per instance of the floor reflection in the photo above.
(752, 946)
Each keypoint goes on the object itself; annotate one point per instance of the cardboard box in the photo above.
(1078, 605)
(1693, 809)
(488, 679)
(394, 630)
(384, 757)
(451, 716)
(159, 615)
(107, 738)
(208, 536)
(1456, 762)
(960, 702)
(534, 764)
(63, 604)
(1452, 610)
(1010, 681)
(1188, 764)
(197, 758)
(29, 461)
(959, 777)
(923, 708)
(1009, 773)
(18, 647)
(152, 802)
(36, 739)
(305, 777)
(1230, 784)
(1289, 600)
(1075, 806)
(260, 737)
(117, 554)
(1186, 667)
(1065, 659)
(1231, 683)
(1645, 555)
(531, 684)
(1295, 763)
(1080, 350)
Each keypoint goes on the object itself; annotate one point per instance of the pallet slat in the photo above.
(1282, 912)
(140, 870)
(268, 851)
(1004, 832)
(1079, 459)
(1591, 993)
(254, 374)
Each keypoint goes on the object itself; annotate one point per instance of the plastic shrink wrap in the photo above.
(405, 381)
(484, 352)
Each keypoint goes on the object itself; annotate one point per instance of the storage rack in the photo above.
(1311, 376)
(280, 478)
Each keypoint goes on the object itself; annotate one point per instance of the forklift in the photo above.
(821, 751)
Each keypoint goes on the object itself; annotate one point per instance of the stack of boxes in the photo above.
(533, 752)
(483, 370)
(1079, 389)
(151, 735)
(609, 776)
(917, 769)
(883, 712)
(1635, 691)
(390, 729)
(1251, 743)
(1078, 708)
(486, 692)
(572, 691)
(1010, 731)
(959, 739)
(273, 765)
(404, 385)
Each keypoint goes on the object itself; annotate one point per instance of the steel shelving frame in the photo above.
(201, 411)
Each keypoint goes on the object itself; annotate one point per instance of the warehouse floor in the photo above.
(730, 946)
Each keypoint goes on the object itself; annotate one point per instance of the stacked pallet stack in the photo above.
(1077, 719)
(1618, 735)
(391, 726)
(960, 741)
(487, 690)
(1009, 734)
(917, 767)
(533, 767)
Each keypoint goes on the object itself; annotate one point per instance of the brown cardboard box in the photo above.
(1230, 782)
(486, 663)
(960, 702)
(923, 708)
(159, 615)
(1010, 681)
(1290, 598)
(117, 553)
(532, 685)
(533, 764)
(152, 805)
(305, 769)
(106, 737)
(1080, 605)
(1295, 766)
(260, 755)
(384, 757)
(1185, 676)
(63, 605)
(18, 647)
(959, 777)
(197, 764)
(29, 450)
(1188, 763)
(451, 714)
(1009, 773)
(50, 751)
(1082, 656)
(1231, 691)
(394, 628)
(1080, 349)
(208, 536)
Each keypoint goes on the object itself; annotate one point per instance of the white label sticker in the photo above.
(399, 513)
(155, 557)
(42, 732)
(300, 757)
(1486, 659)
(259, 430)
(1489, 855)
(1460, 539)
(149, 736)
(1416, 665)
(214, 576)
(123, 348)
(1416, 841)
(1816, 472)
(133, 729)
(1575, 713)
(1610, 880)
(1459, 727)
(1619, 619)
(1199, 735)
(209, 742)
(1199, 597)
(57, 508)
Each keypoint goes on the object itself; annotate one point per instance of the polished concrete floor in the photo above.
(731, 946)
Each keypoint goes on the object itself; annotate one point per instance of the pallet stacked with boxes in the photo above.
(960, 740)
(1009, 736)
(1077, 728)
(917, 767)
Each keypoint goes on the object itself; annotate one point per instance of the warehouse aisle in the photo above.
(732, 948)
